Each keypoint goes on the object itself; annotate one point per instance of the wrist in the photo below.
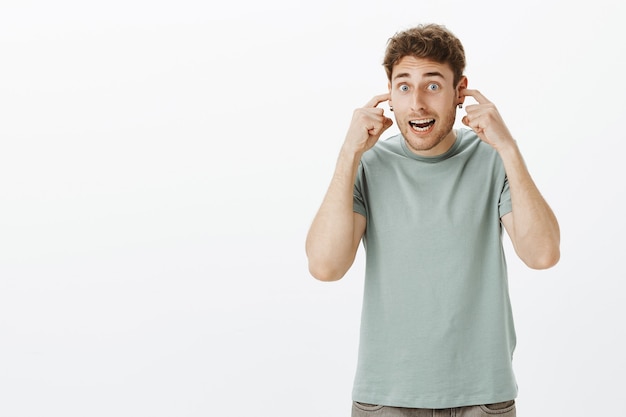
(508, 148)
(350, 154)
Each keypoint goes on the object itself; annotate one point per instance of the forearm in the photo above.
(335, 233)
(330, 243)
(535, 234)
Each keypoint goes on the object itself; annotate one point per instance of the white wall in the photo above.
(160, 163)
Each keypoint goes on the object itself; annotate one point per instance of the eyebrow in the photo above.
(428, 74)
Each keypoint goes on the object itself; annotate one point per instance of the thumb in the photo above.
(387, 122)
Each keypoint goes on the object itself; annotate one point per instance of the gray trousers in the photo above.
(505, 409)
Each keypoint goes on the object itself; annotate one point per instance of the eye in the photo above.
(433, 87)
(404, 88)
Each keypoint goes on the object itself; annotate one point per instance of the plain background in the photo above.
(161, 162)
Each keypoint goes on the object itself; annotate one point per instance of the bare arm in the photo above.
(336, 231)
(531, 225)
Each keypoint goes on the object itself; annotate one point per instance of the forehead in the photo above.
(410, 66)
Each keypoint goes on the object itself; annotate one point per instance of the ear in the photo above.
(459, 90)
(389, 88)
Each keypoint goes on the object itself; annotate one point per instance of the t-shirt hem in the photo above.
(436, 402)
(359, 210)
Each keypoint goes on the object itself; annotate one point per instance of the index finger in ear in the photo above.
(476, 94)
(376, 100)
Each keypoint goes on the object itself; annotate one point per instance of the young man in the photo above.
(429, 205)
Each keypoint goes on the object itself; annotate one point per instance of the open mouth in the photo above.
(421, 125)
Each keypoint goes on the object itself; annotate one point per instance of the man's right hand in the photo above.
(336, 231)
(368, 123)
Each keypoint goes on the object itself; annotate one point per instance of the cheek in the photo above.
(444, 101)
(399, 99)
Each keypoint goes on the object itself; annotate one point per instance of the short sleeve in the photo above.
(504, 205)
(357, 194)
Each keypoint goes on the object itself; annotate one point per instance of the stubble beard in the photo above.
(442, 128)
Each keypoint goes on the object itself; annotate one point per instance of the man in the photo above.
(429, 205)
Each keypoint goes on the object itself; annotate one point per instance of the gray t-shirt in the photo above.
(436, 328)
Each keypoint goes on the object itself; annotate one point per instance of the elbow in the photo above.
(324, 273)
(327, 268)
(544, 259)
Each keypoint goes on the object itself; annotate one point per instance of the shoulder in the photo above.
(469, 141)
(471, 144)
(384, 150)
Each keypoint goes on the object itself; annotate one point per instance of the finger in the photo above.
(387, 123)
(478, 109)
(374, 123)
(476, 94)
(378, 131)
(376, 100)
(472, 124)
(378, 125)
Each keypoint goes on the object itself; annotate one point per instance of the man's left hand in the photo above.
(484, 119)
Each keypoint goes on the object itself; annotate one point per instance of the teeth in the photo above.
(421, 125)
(422, 121)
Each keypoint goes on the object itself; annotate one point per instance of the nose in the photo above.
(417, 102)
